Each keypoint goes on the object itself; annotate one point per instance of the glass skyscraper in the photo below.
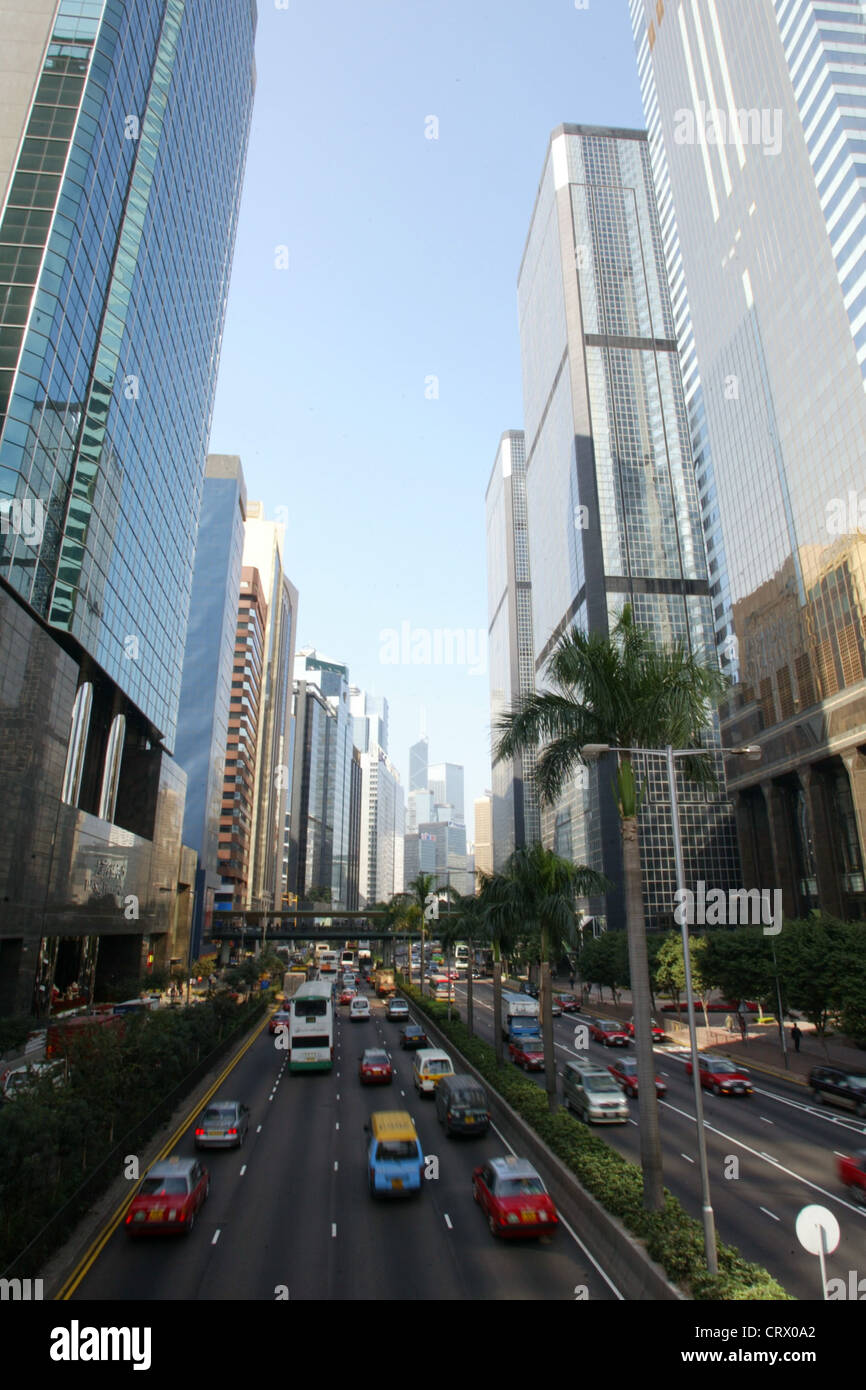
(612, 505)
(511, 659)
(120, 177)
(757, 111)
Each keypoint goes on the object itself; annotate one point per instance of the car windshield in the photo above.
(375, 1059)
(163, 1187)
(520, 1187)
(397, 1148)
(628, 1066)
(219, 1112)
(311, 1008)
(858, 1083)
(600, 1083)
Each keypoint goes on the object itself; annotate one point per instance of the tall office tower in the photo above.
(237, 815)
(356, 786)
(445, 781)
(323, 827)
(370, 714)
(205, 692)
(610, 484)
(484, 849)
(263, 550)
(110, 332)
(419, 808)
(418, 755)
(441, 850)
(382, 828)
(757, 114)
(516, 820)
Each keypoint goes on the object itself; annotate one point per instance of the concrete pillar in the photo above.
(830, 895)
(750, 858)
(784, 858)
(855, 766)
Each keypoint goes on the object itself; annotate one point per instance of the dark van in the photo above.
(462, 1106)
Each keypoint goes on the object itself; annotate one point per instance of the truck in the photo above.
(365, 955)
(383, 983)
(519, 1016)
(292, 980)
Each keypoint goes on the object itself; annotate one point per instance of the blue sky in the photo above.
(402, 256)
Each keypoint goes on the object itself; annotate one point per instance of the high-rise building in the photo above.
(242, 749)
(756, 115)
(324, 827)
(419, 808)
(205, 693)
(484, 850)
(445, 781)
(263, 550)
(511, 656)
(109, 342)
(382, 828)
(370, 713)
(418, 755)
(610, 485)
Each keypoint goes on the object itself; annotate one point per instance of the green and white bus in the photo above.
(311, 1027)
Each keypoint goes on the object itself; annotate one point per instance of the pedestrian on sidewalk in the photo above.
(729, 1024)
(796, 1036)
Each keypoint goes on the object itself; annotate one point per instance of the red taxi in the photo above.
(527, 1053)
(513, 1198)
(624, 1072)
(723, 1078)
(375, 1067)
(169, 1197)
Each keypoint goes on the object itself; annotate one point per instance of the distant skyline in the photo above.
(371, 357)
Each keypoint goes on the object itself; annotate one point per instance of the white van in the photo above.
(431, 1064)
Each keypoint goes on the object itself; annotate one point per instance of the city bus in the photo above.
(311, 1027)
(328, 961)
(461, 958)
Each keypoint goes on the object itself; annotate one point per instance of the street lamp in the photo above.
(752, 751)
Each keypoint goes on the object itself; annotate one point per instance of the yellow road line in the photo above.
(95, 1250)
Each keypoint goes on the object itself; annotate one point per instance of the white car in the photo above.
(359, 1009)
(19, 1079)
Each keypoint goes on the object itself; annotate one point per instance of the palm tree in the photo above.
(416, 894)
(623, 691)
(499, 928)
(536, 893)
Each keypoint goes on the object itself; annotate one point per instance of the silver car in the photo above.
(223, 1125)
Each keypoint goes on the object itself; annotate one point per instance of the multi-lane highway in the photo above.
(290, 1215)
(770, 1154)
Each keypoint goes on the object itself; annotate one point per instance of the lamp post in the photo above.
(753, 752)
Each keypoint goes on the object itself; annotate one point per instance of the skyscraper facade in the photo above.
(263, 550)
(511, 660)
(370, 713)
(484, 833)
(418, 755)
(445, 781)
(114, 162)
(613, 513)
(242, 745)
(382, 828)
(756, 114)
(205, 693)
(323, 826)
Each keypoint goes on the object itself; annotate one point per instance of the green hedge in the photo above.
(672, 1237)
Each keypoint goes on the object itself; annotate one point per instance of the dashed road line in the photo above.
(770, 1213)
(216, 1236)
(243, 1170)
(686, 1157)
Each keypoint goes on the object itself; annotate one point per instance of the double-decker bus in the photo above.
(328, 962)
(311, 1027)
(461, 957)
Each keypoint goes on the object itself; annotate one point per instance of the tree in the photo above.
(416, 894)
(603, 960)
(739, 963)
(813, 956)
(620, 690)
(536, 893)
(671, 974)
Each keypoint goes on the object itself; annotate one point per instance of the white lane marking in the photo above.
(575, 1237)
(770, 1213)
(686, 1157)
(448, 1222)
(338, 1095)
(338, 1124)
(838, 1154)
(243, 1170)
(791, 1173)
(216, 1236)
(631, 1121)
(766, 1121)
(336, 1165)
(402, 1093)
(333, 1230)
(259, 1130)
